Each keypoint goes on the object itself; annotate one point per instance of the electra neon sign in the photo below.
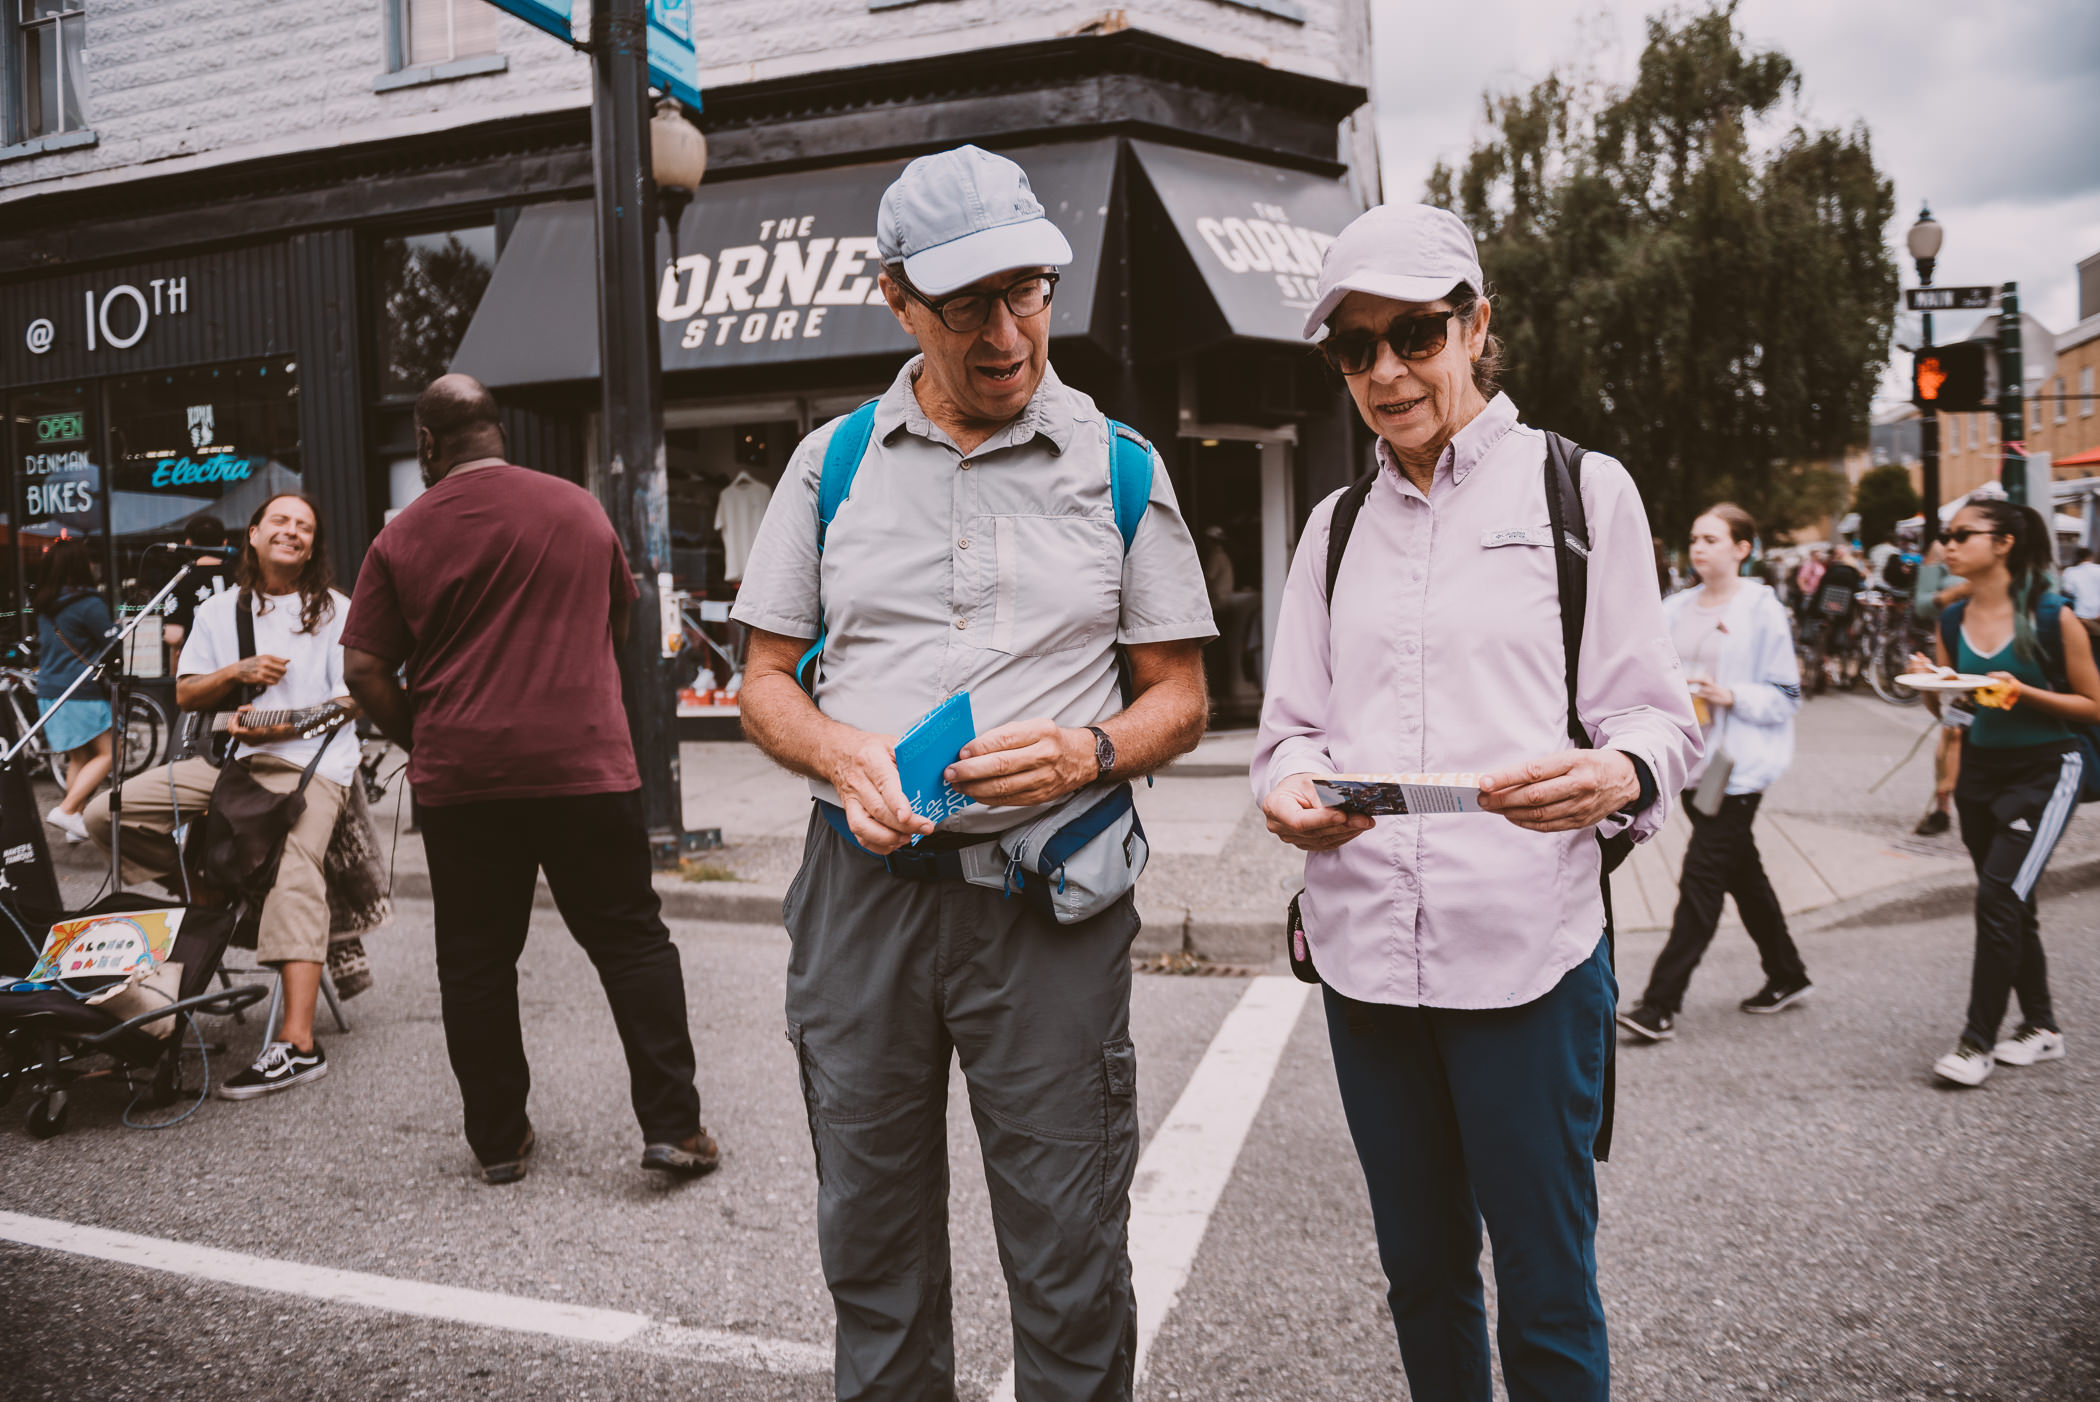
(220, 467)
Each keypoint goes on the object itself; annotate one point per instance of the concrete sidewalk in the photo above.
(1218, 883)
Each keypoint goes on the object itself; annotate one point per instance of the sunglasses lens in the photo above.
(1419, 338)
(1351, 352)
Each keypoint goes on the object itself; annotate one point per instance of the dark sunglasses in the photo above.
(967, 311)
(1961, 536)
(1411, 337)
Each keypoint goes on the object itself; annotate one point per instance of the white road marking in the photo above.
(583, 1323)
(1191, 1157)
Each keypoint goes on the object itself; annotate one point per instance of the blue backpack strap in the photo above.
(2049, 632)
(1129, 478)
(1950, 631)
(842, 456)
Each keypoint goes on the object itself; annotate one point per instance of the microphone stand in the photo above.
(113, 642)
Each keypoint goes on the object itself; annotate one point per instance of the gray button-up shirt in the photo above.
(999, 573)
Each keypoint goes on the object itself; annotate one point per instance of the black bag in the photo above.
(238, 845)
(1571, 566)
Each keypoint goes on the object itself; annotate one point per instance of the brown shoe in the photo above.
(692, 1157)
(512, 1169)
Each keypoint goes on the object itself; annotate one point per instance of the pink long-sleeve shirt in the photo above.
(1443, 652)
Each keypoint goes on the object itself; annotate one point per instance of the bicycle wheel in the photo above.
(145, 729)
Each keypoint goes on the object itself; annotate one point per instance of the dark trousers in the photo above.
(1720, 861)
(485, 861)
(887, 981)
(1462, 1116)
(2012, 806)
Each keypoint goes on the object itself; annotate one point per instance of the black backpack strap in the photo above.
(1571, 562)
(1347, 507)
(1950, 630)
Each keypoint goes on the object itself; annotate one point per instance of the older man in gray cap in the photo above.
(980, 528)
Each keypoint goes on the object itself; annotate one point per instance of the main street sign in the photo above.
(673, 64)
(1950, 299)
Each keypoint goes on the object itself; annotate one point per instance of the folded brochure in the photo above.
(926, 751)
(1381, 795)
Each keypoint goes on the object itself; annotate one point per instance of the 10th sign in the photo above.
(119, 317)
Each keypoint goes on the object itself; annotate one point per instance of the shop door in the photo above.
(1225, 513)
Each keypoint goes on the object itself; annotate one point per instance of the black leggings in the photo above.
(2012, 804)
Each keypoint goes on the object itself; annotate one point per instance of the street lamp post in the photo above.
(633, 485)
(1924, 240)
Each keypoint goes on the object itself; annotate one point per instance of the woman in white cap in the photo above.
(1468, 983)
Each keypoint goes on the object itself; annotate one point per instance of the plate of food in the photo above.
(1945, 679)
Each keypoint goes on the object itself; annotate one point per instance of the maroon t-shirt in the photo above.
(495, 588)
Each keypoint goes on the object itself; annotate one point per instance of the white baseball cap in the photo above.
(1408, 252)
(961, 215)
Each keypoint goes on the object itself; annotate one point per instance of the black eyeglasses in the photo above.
(1411, 337)
(1961, 536)
(967, 311)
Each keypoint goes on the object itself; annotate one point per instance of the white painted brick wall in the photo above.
(176, 84)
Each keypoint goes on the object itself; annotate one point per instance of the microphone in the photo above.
(194, 552)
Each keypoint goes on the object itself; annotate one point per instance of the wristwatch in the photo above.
(1104, 750)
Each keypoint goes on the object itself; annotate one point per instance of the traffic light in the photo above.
(1953, 379)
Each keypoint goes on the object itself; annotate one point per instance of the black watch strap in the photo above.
(1104, 750)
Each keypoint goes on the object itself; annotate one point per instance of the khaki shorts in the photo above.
(295, 916)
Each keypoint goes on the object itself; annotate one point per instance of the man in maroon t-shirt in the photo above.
(502, 592)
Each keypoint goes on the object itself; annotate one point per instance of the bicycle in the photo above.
(1888, 639)
(145, 725)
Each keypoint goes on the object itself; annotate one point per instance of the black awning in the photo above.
(775, 270)
(1255, 233)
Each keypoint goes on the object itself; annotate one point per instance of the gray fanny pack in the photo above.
(1084, 855)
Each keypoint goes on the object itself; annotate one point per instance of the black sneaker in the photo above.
(1650, 1024)
(1933, 823)
(690, 1158)
(1777, 997)
(280, 1066)
(512, 1169)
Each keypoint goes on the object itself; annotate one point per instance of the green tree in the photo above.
(1882, 497)
(1682, 279)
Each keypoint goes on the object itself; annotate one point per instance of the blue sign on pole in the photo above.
(673, 65)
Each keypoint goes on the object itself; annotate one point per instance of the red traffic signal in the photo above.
(1952, 379)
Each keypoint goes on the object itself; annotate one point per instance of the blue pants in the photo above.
(1465, 1116)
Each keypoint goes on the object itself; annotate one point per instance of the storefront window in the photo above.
(429, 286)
(56, 462)
(1224, 506)
(216, 441)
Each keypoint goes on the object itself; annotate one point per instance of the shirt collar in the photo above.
(1050, 413)
(1469, 447)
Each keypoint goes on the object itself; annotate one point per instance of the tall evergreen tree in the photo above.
(1682, 279)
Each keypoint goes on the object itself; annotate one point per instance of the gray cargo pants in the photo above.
(888, 978)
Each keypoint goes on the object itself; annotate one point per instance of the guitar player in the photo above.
(295, 666)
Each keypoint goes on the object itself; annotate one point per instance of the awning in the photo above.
(772, 270)
(2089, 458)
(1255, 233)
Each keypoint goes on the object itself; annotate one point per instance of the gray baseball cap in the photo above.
(1408, 252)
(961, 215)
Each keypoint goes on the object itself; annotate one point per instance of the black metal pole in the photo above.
(2012, 400)
(632, 483)
(1929, 438)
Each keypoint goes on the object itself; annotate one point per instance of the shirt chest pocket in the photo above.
(1037, 585)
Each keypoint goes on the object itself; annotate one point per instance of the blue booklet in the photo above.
(925, 753)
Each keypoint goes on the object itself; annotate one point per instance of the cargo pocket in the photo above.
(1119, 1129)
(809, 1093)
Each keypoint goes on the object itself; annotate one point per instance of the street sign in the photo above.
(1949, 299)
(673, 64)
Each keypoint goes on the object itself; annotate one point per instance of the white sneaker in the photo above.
(2029, 1045)
(1964, 1066)
(71, 824)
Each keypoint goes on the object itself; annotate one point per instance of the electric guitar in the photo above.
(209, 735)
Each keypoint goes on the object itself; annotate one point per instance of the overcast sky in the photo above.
(1989, 112)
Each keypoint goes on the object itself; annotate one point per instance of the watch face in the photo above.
(1104, 751)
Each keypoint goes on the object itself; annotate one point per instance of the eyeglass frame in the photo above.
(1963, 535)
(1386, 336)
(939, 306)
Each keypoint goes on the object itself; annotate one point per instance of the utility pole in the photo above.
(1924, 241)
(2012, 400)
(633, 485)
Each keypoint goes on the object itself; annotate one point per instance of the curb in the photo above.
(1936, 897)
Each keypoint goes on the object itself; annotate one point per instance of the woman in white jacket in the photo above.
(1737, 648)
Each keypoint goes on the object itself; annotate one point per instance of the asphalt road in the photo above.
(1793, 1209)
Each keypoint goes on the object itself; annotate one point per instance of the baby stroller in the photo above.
(50, 1040)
